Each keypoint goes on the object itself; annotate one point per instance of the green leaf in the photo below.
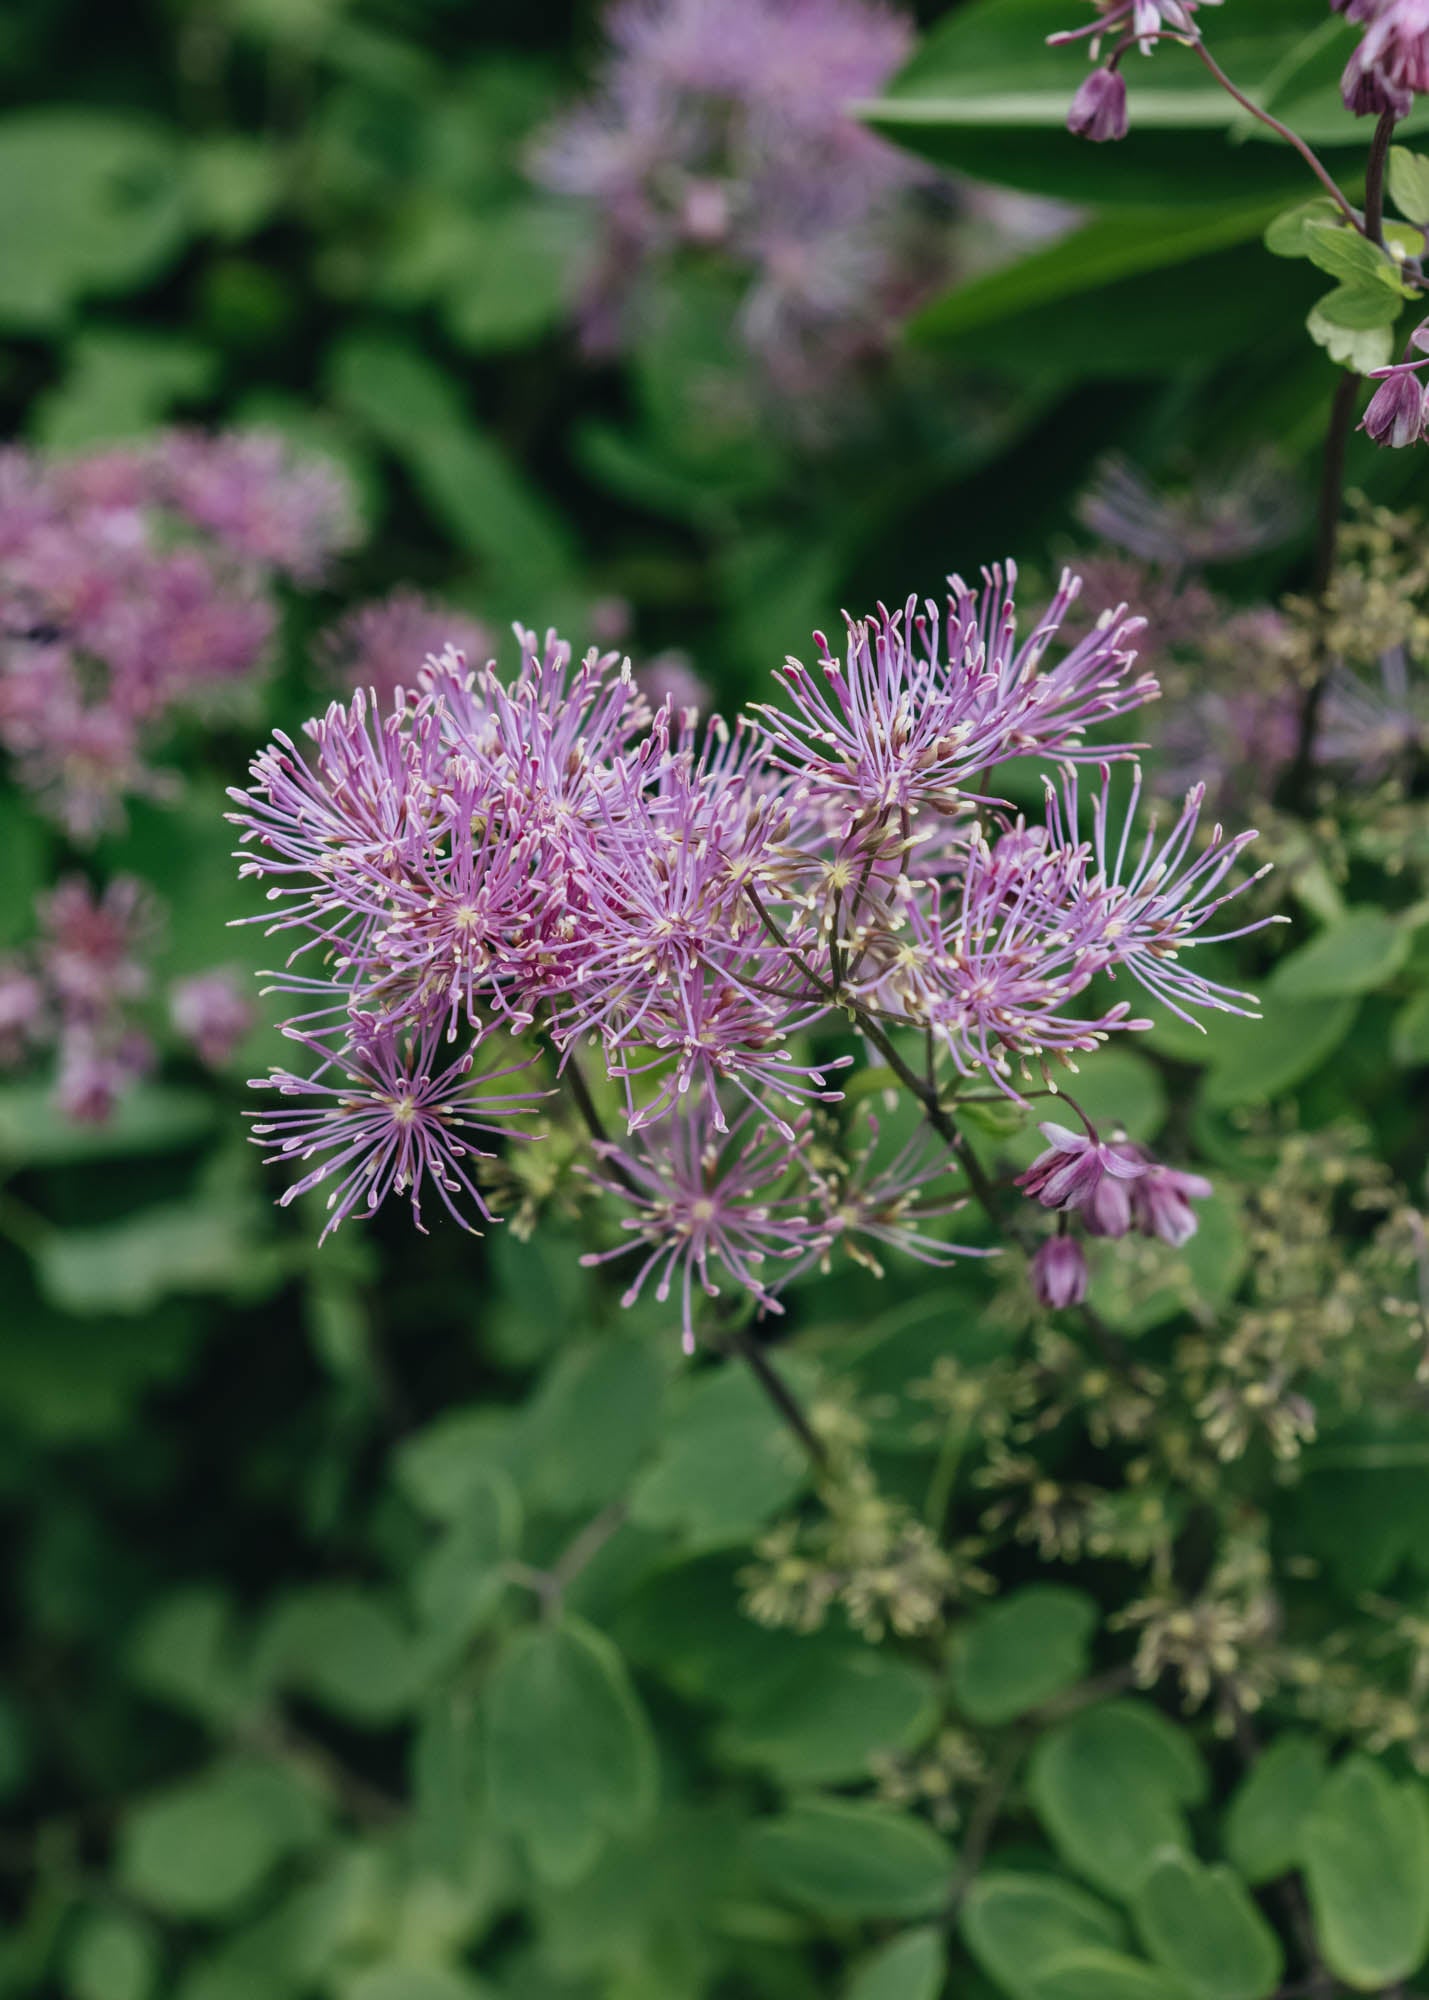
(113, 1955)
(154, 1118)
(1109, 1785)
(1201, 1924)
(594, 1420)
(831, 1715)
(129, 1266)
(120, 381)
(1266, 1816)
(570, 1758)
(184, 1653)
(1360, 953)
(89, 202)
(1409, 1035)
(1092, 1974)
(1022, 1650)
(1119, 1087)
(342, 1647)
(1357, 307)
(910, 1967)
(1289, 234)
(1366, 1859)
(1253, 1061)
(1337, 248)
(459, 1584)
(1016, 1925)
(516, 276)
(205, 1846)
(725, 1462)
(852, 1861)
(1409, 184)
(401, 1981)
(1126, 243)
(1362, 350)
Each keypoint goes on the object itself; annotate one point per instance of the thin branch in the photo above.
(1321, 173)
(1374, 177)
(779, 1393)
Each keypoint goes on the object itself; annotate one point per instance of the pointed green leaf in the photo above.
(1409, 184)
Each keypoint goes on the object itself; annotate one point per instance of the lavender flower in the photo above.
(707, 1201)
(1391, 65)
(1059, 1273)
(726, 132)
(383, 646)
(1161, 1203)
(1139, 21)
(390, 1121)
(1246, 508)
(1398, 411)
(22, 1011)
(210, 1012)
(1075, 1167)
(867, 1202)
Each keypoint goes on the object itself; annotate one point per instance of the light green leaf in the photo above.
(113, 1955)
(1266, 1817)
(1359, 349)
(830, 1716)
(342, 1647)
(1110, 1784)
(1289, 234)
(129, 1266)
(119, 381)
(90, 201)
(400, 1981)
(237, 183)
(184, 1653)
(910, 1967)
(1022, 1650)
(595, 1418)
(459, 1584)
(570, 1758)
(1358, 307)
(1409, 184)
(204, 1847)
(155, 1118)
(1253, 1061)
(1016, 1925)
(1201, 1924)
(1360, 953)
(1366, 1858)
(1337, 248)
(853, 1861)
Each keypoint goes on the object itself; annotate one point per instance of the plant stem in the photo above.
(1321, 173)
(1332, 490)
(1374, 178)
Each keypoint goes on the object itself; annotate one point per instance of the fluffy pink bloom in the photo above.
(384, 646)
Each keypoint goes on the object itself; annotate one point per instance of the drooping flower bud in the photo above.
(1098, 111)
(1059, 1273)
(1395, 413)
(1072, 1172)
(1161, 1203)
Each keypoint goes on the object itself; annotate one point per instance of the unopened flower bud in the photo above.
(1059, 1273)
(1098, 111)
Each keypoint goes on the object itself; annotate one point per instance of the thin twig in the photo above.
(1321, 173)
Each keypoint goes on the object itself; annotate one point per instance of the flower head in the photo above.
(1397, 412)
(1059, 1273)
(1075, 1167)
(708, 1201)
(1098, 109)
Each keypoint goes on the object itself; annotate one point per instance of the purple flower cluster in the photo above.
(543, 856)
(1397, 414)
(1390, 67)
(132, 582)
(381, 646)
(722, 128)
(1112, 1187)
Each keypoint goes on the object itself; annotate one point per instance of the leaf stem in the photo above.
(1321, 173)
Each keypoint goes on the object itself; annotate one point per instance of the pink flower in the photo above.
(1098, 110)
(1074, 1169)
(212, 1013)
(1161, 1203)
(1059, 1273)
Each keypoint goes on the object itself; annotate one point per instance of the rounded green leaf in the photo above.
(202, 1848)
(1267, 1815)
(1359, 953)
(1201, 1924)
(1409, 1035)
(570, 1758)
(345, 1649)
(1252, 1061)
(1110, 1784)
(827, 1719)
(1366, 1849)
(853, 1860)
(1017, 1925)
(1091, 1974)
(910, 1967)
(1022, 1651)
(113, 1955)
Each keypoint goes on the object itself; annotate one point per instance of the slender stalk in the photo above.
(1321, 173)
(1331, 500)
(1374, 178)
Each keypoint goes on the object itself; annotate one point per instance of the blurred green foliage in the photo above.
(377, 1617)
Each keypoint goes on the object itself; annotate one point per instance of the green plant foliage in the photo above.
(851, 1861)
(1023, 1651)
(1202, 1926)
(1366, 1848)
(1111, 1786)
